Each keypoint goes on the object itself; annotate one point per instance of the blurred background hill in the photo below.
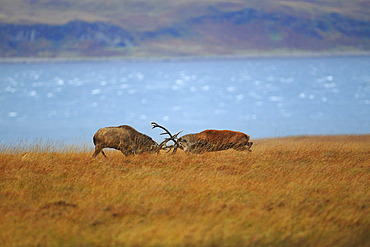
(152, 28)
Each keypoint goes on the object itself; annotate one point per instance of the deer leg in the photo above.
(95, 153)
(126, 150)
(98, 149)
(244, 147)
(125, 153)
(249, 144)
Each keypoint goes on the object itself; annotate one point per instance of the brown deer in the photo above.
(214, 140)
(206, 141)
(123, 138)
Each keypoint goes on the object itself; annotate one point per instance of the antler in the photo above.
(155, 125)
(171, 138)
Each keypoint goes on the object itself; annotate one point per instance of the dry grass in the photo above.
(303, 191)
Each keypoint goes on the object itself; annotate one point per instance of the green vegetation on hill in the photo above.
(67, 28)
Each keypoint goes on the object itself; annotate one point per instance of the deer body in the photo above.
(214, 140)
(123, 138)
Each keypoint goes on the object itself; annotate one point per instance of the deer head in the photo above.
(163, 144)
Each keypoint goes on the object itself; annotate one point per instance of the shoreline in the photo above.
(5, 60)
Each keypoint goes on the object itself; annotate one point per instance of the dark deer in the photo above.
(123, 138)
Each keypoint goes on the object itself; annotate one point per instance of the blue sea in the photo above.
(263, 97)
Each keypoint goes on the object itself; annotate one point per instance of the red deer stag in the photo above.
(214, 140)
(210, 140)
(123, 138)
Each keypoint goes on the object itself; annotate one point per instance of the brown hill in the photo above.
(45, 28)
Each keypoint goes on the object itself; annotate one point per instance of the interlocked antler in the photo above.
(171, 138)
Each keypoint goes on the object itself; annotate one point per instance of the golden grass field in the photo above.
(296, 191)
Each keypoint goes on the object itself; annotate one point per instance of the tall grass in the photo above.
(40, 145)
(302, 191)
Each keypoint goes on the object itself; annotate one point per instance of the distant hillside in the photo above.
(68, 28)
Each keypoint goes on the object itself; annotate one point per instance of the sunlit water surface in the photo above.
(261, 97)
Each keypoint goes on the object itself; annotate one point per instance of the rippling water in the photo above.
(261, 97)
